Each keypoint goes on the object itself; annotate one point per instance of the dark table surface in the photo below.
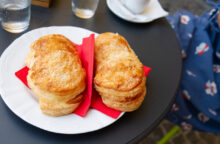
(154, 43)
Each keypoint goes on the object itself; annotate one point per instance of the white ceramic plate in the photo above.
(24, 103)
(153, 11)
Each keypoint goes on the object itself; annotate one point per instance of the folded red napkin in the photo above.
(91, 97)
(86, 53)
(22, 75)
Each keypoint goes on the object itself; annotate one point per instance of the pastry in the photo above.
(56, 74)
(119, 74)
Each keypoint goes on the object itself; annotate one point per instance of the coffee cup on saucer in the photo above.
(135, 6)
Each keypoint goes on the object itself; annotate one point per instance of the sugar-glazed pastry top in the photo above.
(56, 74)
(55, 65)
(117, 66)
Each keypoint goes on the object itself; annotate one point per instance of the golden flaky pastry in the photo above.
(119, 75)
(56, 74)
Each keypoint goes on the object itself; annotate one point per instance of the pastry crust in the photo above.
(56, 74)
(127, 105)
(119, 75)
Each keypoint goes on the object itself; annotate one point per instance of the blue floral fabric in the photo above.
(197, 105)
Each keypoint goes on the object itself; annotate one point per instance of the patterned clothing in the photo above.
(197, 105)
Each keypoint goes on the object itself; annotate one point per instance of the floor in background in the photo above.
(181, 137)
(197, 7)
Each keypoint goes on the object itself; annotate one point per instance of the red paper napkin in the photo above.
(86, 53)
(22, 75)
(91, 97)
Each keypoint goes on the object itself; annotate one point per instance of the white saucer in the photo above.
(153, 11)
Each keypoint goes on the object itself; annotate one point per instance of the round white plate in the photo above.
(153, 11)
(24, 103)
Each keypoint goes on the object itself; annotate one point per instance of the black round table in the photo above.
(154, 43)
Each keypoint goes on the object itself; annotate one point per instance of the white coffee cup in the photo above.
(136, 6)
